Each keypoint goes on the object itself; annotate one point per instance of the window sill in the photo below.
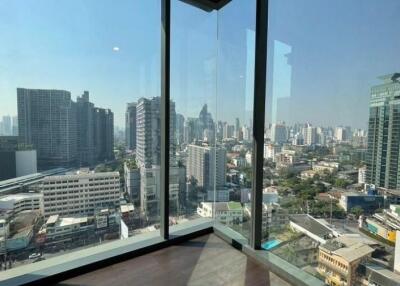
(95, 257)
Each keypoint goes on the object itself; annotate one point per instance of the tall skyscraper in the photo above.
(384, 133)
(14, 126)
(278, 133)
(180, 127)
(207, 165)
(228, 130)
(103, 134)
(148, 155)
(130, 126)
(7, 127)
(47, 121)
(85, 126)
(309, 134)
(237, 128)
(148, 131)
(63, 132)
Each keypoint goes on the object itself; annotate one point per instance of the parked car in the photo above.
(34, 255)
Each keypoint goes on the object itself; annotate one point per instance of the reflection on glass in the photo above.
(212, 67)
(331, 142)
(235, 81)
(194, 164)
(79, 126)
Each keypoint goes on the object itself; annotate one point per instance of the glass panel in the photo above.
(75, 76)
(235, 81)
(193, 172)
(212, 66)
(332, 139)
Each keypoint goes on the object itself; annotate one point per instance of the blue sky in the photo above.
(337, 50)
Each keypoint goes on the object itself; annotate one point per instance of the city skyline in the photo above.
(116, 66)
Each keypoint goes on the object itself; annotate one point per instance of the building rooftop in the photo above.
(311, 224)
(354, 252)
(21, 196)
(351, 239)
(349, 253)
(12, 184)
(127, 208)
(52, 219)
(234, 206)
(381, 275)
(224, 206)
(75, 175)
(72, 220)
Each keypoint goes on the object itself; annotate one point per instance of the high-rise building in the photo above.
(132, 181)
(7, 127)
(130, 126)
(180, 127)
(85, 127)
(148, 155)
(103, 134)
(47, 120)
(14, 126)
(205, 118)
(63, 132)
(309, 135)
(340, 134)
(148, 131)
(207, 165)
(384, 133)
(321, 137)
(191, 130)
(278, 133)
(228, 130)
(237, 128)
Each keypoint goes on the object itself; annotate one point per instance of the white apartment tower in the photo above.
(207, 165)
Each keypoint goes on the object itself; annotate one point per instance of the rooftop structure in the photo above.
(311, 227)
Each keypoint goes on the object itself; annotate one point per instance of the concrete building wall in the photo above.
(26, 162)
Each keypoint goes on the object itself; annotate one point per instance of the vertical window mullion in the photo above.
(259, 121)
(165, 117)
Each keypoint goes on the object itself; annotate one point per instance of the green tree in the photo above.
(357, 211)
(341, 183)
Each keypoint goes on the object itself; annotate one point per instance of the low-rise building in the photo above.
(228, 213)
(311, 227)
(338, 263)
(66, 228)
(81, 193)
(369, 203)
(308, 174)
(285, 159)
(326, 166)
(20, 230)
(385, 224)
(17, 203)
